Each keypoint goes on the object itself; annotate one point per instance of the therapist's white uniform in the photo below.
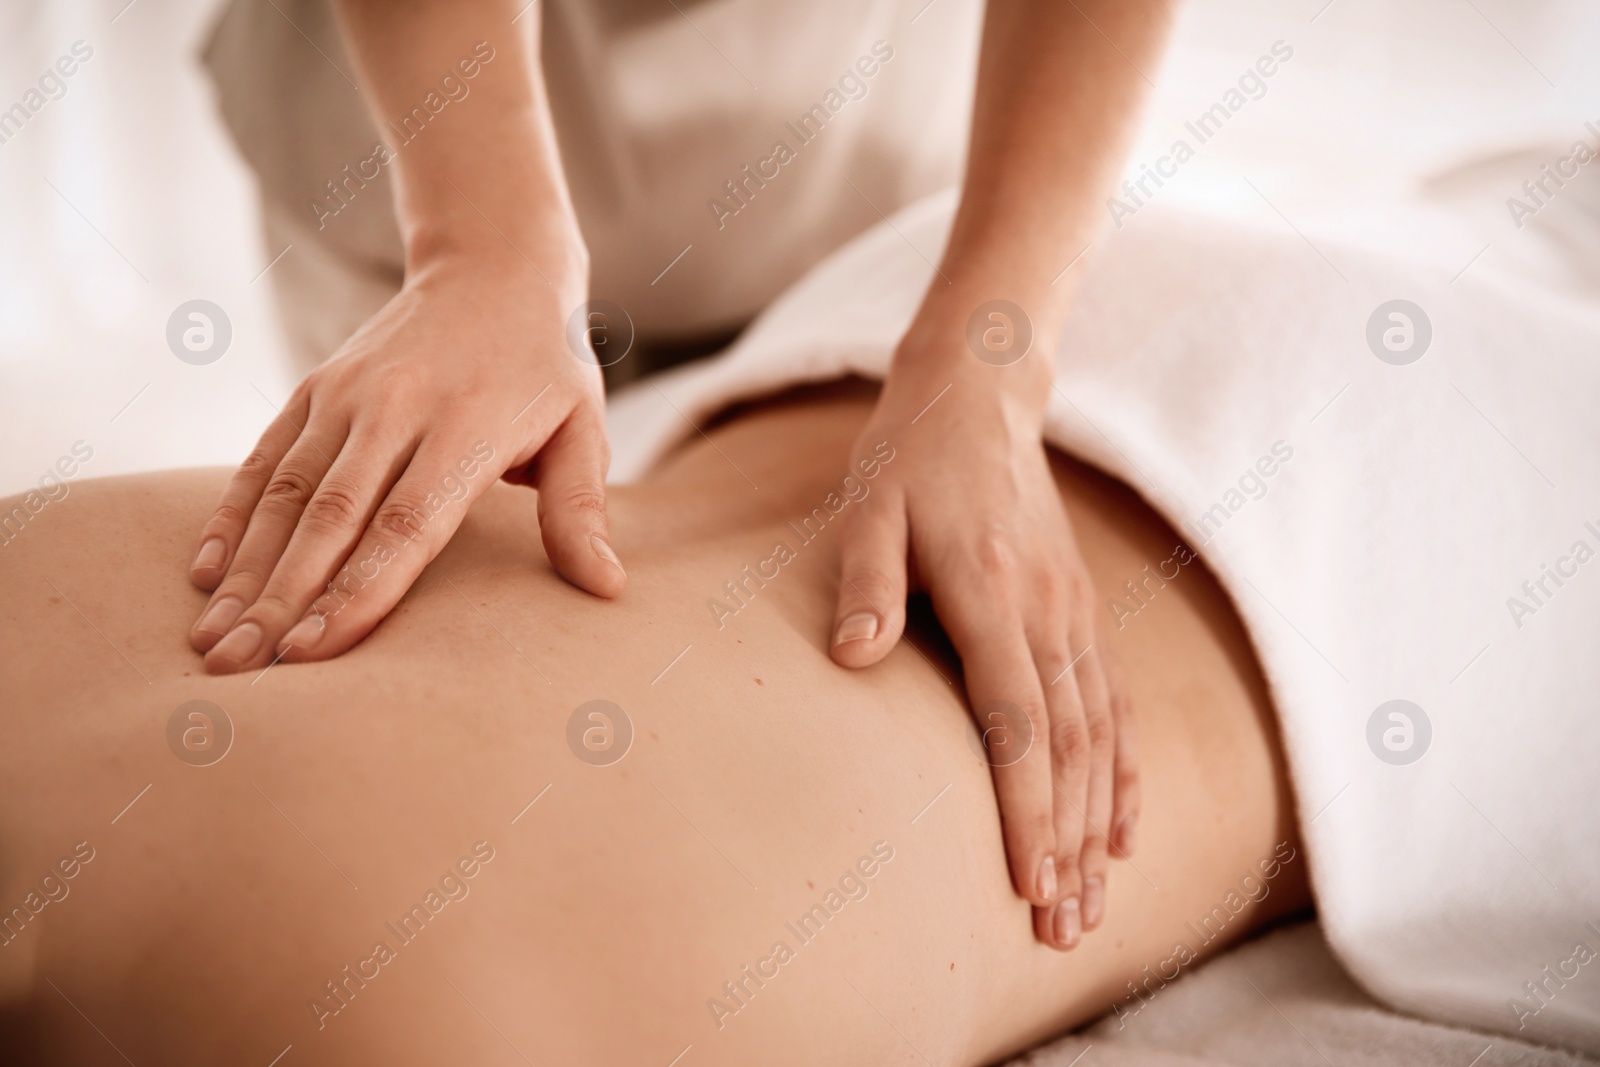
(658, 107)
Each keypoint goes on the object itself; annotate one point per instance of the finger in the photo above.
(571, 479)
(1069, 766)
(1125, 766)
(220, 536)
(1101, 730)
(1008, 705)
(407, 530)
(328, 528)
(272, 523)
(1044, 925)
(871, 613)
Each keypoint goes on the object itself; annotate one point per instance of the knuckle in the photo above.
(995, 555)
(411, 378)
(389, 425)
(1121, 703)
(228, 516)
(1050, 591)
(258, 464)
(586, 498)
(1077, 589)
(1038, 720)
(400, 520)
(1069, 741)
(870, 582)
(1102, 733)
(288, 488)
(335, 506)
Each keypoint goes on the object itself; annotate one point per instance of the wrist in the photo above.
(989, 346)
(489, 276)
(921, 383)
(1035, 262)
(516, 216)
(554, 252)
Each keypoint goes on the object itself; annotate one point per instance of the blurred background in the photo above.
(122, 197)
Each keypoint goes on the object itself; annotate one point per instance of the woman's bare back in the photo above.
(429, 850)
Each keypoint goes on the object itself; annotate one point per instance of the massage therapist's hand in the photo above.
(969, 503)
(464, 376)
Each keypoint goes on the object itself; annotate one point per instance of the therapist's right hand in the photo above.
(366, 473)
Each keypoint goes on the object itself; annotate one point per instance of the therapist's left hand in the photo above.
(967, 509)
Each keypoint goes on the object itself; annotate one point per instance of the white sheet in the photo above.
(1281, 1001)
(1377, 566)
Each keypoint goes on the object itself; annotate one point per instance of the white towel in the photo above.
(1384, 559)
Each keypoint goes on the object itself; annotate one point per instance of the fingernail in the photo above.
(1125, 836)
(219, 618)
(240, 644)
(1047, 878)
(210, 555)
(603, 550)
(1067, 927)
(862, 626)
(1094, 902)
(304, 635)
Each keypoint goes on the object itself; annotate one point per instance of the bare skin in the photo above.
(617, 906)
(478, 336)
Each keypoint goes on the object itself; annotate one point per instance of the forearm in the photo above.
(1056, 106)
(478, 173)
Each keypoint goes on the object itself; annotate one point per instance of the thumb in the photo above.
(570, 477)
(872, 584)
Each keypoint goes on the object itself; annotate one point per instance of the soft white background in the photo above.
(134, 147)
(1380, 94)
